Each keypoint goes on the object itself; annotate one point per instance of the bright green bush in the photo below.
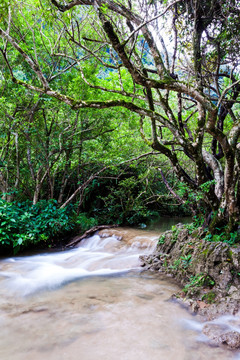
(84, 222)
(24, 224)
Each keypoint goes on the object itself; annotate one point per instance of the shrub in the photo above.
(24, 224)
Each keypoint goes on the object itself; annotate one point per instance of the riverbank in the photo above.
(209, 273)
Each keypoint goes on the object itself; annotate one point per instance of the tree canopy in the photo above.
(171, 65)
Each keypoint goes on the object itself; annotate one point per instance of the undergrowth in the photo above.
(23, 225)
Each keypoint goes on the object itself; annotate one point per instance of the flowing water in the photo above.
(93, 302)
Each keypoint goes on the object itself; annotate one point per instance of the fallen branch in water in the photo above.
(88, 233)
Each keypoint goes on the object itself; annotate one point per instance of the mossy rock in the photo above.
(209, 297)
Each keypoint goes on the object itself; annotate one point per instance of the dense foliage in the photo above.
(123, 108)
(24, 224)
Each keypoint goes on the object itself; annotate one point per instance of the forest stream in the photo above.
(94, 302)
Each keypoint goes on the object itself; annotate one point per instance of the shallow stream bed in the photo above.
(94, 302)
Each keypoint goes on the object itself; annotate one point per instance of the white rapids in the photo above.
(96, 256)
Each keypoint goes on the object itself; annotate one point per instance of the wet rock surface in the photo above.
(220, 336)
(209, 272)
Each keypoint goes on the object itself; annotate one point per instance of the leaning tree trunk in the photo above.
(232, 208)
(228, 209)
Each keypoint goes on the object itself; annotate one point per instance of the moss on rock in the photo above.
(209, 271)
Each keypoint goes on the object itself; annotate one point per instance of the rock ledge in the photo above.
(209, 272)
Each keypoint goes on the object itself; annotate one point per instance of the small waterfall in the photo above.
(97, 255)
